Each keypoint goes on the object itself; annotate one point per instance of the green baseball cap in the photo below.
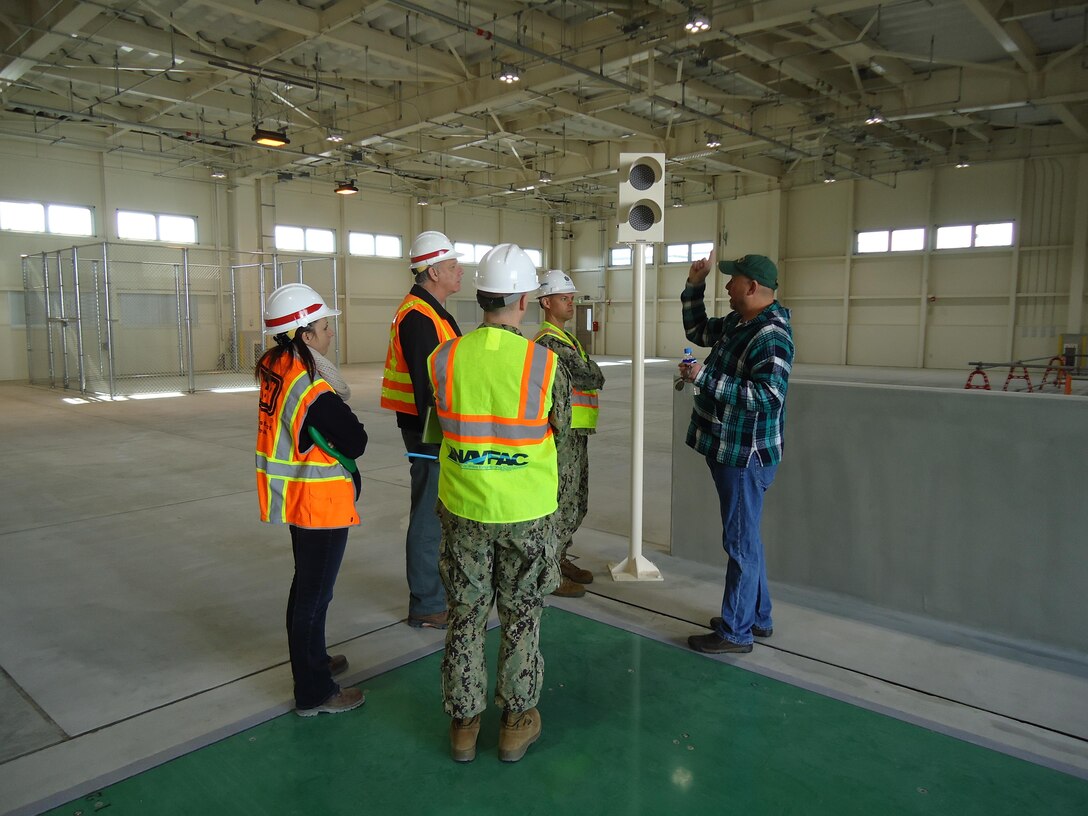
(759, 268)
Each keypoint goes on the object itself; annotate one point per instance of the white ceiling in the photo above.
(786, 85)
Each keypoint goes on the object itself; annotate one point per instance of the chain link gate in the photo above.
(114, 320)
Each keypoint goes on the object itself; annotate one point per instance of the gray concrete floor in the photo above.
(143, 602)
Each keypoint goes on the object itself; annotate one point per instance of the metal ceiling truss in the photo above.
(790, 90)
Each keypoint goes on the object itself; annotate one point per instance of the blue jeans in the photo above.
(318, 554)
(426, 595)
(747, 600)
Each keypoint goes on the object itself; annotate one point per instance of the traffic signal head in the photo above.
(641, 207)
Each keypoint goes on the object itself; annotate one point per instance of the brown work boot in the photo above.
(575, 573)
(517, 732)
(568, 589)
(439, 620)
(463, 733)
(343, 700)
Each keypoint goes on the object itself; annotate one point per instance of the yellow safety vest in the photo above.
(310, 489)
(584, 405)
(397, 391)
(493, 393)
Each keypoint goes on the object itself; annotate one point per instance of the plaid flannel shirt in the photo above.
(739, 411)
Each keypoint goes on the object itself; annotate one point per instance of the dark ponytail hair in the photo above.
(286, 345)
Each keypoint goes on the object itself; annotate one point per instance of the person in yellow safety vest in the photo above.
(556, 297)
(306, 486)
(501, 401)
(420, 324)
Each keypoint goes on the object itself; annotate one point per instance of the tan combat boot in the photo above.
(463, 733)
(517, 732)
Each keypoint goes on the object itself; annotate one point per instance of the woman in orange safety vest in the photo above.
(304, 481)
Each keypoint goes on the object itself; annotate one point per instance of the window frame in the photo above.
(45, 208)
(158, 239)
(306, 235)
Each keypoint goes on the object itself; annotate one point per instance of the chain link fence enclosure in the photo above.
(114, 320)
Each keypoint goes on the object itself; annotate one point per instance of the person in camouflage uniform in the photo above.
(556, 297)
(497, 496)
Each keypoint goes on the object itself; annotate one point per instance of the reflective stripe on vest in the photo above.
(584, 405)
(492, 395)
(311, 489)
(397, 391)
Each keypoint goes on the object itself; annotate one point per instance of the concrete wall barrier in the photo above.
(964, 506)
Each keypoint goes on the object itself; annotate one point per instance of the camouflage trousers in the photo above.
(513, 566)
(572, 453)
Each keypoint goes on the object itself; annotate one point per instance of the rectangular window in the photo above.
(990, 235)
(143, 226)
(66, 220)
(954, 237)
(305, 239)
(381, 246)
(678, 253)
(320, 240)
(908, 240)
(22, 216)
(701, 250)
(388, 246)
(621, 256)
(963, 236)
(685, 253)
(292, 239)
(536, 256)
(471, 253)
(134, 226)
(59, 219)
(873, 241)
(360, 243)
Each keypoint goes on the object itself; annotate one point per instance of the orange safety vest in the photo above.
(311, 489)
(584, 405)
(397, 391)
(493, 393)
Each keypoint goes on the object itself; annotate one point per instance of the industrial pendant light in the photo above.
(270, 138)
(346, 187)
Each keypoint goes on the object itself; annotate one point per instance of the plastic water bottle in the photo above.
(690, 358)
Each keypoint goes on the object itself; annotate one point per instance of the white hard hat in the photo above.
(556, 282)
(429, 248)
(294, 305)
(506, 270)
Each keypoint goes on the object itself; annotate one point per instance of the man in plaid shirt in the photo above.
(736, 422)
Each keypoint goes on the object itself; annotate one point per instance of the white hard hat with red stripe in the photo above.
(556, 282)
(294, 305)
(429, 248)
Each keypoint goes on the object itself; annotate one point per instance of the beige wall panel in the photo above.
(587, 248)
(980, 312)
(969, 274)
(875, 345)
(750, 225)
(620, 283)
(955, 346)
(671, 341)
(1045, 271)
(888, 275)
(370, 277)
(975, 194)
(671, 280)
(818, 221)
(1049, 204)
(690, 225)
(384, 213)
(879, 206)
(817, 344)
(883, 313)
(298, 206)
(813, 278)
(471, 224)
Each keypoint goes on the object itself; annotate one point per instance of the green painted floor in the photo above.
(631, 726)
